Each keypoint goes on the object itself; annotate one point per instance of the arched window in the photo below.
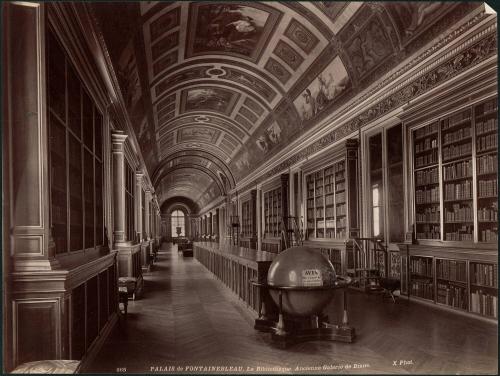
(178, 223)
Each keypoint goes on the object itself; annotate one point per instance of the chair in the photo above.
(390, 285)
(49, 366)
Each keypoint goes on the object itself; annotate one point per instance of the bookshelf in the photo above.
(75, 156)
(451, 283)
(326, 204)
(335, 257)
(246, 219)
(486, 122)
(484, 289)
(455, 176)
(422, 277)
(272, 213)
(451, 277)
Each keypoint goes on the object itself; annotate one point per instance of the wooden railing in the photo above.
(235, 267)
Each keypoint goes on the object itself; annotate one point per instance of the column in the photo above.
(139, 176)
(253, 213)
(258, 216)
(211, 226)
(118, 147)
(217, 225)
(352, 187)
(205, 225)
(25, 139)
(146, 214)
(285, 179)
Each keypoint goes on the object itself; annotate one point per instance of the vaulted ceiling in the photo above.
(214, 89)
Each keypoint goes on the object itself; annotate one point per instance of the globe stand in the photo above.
(290, 329)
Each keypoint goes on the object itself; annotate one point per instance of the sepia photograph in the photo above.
(249, 187)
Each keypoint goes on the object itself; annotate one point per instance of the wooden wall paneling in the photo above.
(78, 338)
(36, 334)
(28, 158)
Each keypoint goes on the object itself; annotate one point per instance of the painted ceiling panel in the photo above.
(234, 83)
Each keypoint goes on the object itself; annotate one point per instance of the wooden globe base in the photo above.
(287, 329)
(290, 335)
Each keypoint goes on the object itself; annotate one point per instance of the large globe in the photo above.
(307, 275)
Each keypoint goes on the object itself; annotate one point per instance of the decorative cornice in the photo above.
(374, 91)
(454, 63)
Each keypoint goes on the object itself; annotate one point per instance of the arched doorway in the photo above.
(178, 224)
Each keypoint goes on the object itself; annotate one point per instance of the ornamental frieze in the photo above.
(453, 66)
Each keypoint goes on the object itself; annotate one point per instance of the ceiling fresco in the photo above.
(224, 86)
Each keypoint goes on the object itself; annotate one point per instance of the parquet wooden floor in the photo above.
(187, 318)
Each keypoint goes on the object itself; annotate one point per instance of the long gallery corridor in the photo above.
(188, 318)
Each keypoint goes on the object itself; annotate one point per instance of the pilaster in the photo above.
(117, 148)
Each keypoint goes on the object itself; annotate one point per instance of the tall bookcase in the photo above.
(326, 209)
(246, 219)
(455, 182)
(455, 176)
(272, 212)
(486, 126)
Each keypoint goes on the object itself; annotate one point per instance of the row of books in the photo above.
(487, 126)
(427, 159)
(487, 142)
(342, 209)
(426, 144)
(340, 198)
(460, 235)
(424, 177)
(431, 214)
(340, 186)
(452, 270)
(457, 170)
(434, 233)
(459, 213)
(484, 303)
(487, 164)
(454, 296)
(489, 235)
(341, 233)
(427, 130)
(426, 196)
(339, 166)
(329, 179)
(489, 106)
(329, 212)
(329, 200)
(456, 151)
(457, 135)
(484, 274)
(456, 119)
(421, 266)
(488, 213)
(422, 289)
(458, 191)
(341, 222)
(334, 255)
(487, 188)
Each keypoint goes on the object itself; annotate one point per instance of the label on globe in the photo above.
(312, 277)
